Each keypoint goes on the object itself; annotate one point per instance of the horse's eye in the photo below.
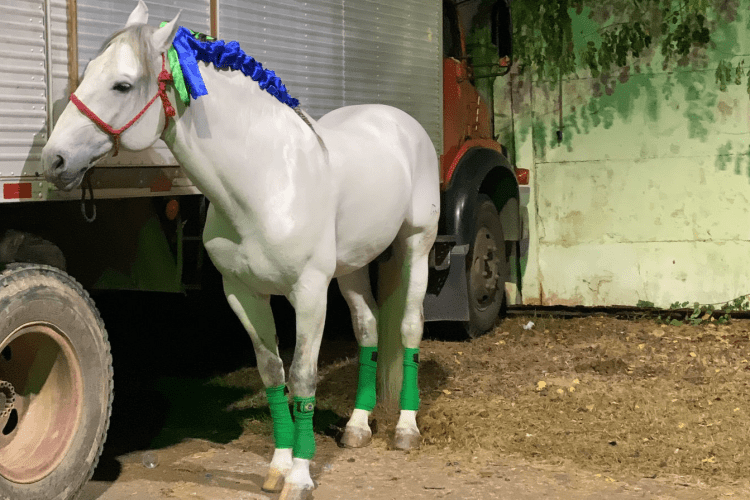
(122, 87)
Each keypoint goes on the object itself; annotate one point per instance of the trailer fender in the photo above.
(19, 246)
(481, 170)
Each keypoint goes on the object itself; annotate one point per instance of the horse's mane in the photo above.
(191, 48)
(219, 53)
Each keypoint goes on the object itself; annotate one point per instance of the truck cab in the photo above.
(477, 252)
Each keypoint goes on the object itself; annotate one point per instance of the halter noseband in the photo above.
(164, 78)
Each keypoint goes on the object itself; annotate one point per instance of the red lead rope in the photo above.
(164, 78)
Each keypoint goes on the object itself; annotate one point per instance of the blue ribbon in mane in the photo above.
(223, 55)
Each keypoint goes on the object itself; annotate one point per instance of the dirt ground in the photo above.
(542, 407)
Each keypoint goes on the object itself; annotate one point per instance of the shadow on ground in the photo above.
(166, 349)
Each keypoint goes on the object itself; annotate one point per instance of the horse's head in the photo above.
(117, 85)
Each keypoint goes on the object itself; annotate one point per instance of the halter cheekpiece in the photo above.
(165, 77)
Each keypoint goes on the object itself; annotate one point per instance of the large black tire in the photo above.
(55, 354)
(487, 269)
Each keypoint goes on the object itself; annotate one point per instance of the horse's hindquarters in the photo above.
(387, 177)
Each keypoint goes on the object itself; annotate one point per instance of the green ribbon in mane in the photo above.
(176, 69)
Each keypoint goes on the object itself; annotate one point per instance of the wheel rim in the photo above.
(484, 269)
(41, 365)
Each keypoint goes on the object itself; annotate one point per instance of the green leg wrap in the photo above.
(283, 427)
(368, 366)
(304, 438)
(410, 387)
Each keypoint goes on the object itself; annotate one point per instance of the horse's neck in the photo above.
(237, 140)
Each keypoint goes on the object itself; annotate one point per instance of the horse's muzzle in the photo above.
(55, 171)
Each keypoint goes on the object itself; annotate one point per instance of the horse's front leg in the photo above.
(255, 314)
(309, 300)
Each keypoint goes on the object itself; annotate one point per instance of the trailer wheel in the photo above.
(487, 268)
(55, 384)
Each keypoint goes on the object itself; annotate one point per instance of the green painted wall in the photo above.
(647, 195)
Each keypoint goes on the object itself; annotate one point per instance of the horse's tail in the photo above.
(391, 288)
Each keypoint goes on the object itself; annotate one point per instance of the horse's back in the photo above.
(379, 126)
(378, 146)
(387, 177)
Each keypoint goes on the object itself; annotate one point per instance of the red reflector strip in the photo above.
(16, 190)
(161, 183)
(522, 174)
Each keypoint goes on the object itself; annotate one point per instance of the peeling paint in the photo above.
(725, 109)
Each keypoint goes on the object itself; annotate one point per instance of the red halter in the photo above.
(164, 78)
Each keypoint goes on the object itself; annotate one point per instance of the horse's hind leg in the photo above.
(412, 246)
(255, 315)
(355, 288)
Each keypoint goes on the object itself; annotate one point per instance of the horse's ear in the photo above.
(139, 15)
(162, 39)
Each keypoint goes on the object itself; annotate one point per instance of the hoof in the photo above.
(356, 437)
(274, 481)
(407, 439)
(294, 492)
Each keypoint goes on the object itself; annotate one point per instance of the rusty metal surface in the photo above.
(7, 399)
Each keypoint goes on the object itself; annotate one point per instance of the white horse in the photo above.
(294, 204)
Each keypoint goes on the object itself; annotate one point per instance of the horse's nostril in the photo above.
(58, 164)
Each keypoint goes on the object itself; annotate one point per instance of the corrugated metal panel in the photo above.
(59, 35)
(59, 42)
(300, 41)
(393, 56)
(329, 53)
(98, 19)
(23, 92)
(334, 53)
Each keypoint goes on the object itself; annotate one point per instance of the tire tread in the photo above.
(18, 277)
